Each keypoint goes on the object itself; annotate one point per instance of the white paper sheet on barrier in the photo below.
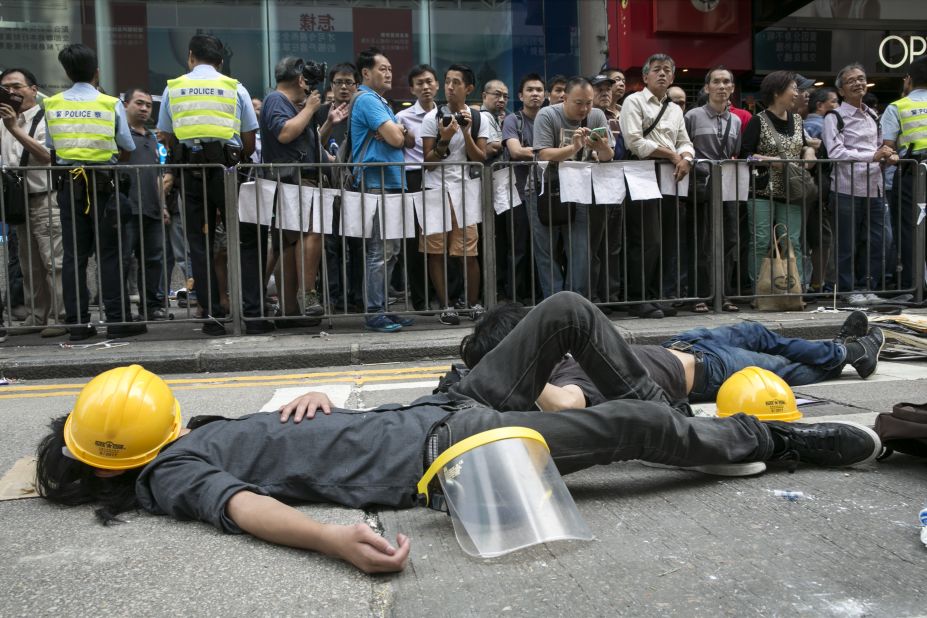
(504, 192)
(668, 184)
(357, 212)
(642, 180)
(293, 214)
(575, 182)
(433, 212)
(542, 172)
(328, 205)
(466, 200)
(608, 183)
(735, 181)
(248, 201)
(399, 215)
(321, 208)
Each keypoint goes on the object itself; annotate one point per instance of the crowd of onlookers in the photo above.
(846, 207)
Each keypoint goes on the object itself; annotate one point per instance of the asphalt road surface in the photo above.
(668, 542)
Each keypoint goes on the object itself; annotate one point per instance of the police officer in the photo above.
(211, 115)
(87, 128)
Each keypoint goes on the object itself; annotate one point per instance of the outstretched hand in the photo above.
(367, 550)
(305, 406)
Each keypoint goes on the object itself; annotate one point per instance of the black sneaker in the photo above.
(258, 327)
(297, 322)
(856, 325)
(84, 331)
(834, 444)
(125, 330)
(449, 316)
(863, 353)
(2, 335)
(213, 329)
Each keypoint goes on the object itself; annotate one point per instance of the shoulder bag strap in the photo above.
(24, 160)
(656, 120)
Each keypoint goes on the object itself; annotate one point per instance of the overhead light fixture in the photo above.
(870, 85)
(406, 103)
(818, 84)
(685, 70)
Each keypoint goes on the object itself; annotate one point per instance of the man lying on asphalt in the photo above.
(692, 366)
(122, 446)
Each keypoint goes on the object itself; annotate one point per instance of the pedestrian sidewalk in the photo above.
(179, 347)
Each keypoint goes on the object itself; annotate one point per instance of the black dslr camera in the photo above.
(447, 115)
(313, 74)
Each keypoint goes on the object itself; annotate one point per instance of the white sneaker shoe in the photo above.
(857, 299)
(747, 468)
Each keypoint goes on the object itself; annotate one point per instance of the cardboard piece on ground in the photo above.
(338, 393)
(19, 481)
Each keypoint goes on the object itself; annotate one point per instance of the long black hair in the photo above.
(63, 480)
(492, 328)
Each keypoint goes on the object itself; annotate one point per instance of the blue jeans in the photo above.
(728, 349)
(575, 239)
(380, 262)
(859, 239)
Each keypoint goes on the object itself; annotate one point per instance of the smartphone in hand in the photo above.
(598, 133)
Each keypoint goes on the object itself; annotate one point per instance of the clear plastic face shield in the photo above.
(504, 493)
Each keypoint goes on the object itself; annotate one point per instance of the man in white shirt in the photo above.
(654, 128)
(453, 137)
(423, 83)
(22, 134)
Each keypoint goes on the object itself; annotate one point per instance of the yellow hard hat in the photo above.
(122, 419)
(760, 393)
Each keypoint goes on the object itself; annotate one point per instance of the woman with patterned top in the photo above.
(768, 206)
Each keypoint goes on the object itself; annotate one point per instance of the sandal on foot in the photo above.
(729, 306)
(700, 308)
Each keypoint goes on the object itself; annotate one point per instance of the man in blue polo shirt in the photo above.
(378, 137)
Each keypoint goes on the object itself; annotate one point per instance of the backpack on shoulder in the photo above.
(904, 429)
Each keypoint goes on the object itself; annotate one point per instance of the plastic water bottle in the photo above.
(333, 147)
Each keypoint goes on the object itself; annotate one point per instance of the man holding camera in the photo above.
(285, 121)
(453, 133)
(22, 138)
(212, 117)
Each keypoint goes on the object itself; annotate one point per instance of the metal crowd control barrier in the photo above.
(635, 237)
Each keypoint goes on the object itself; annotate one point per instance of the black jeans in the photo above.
(146, 241)
(83, 233)
(636, 423)
(204, 203)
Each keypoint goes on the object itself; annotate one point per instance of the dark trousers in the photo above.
(204, 204)
(904, 210)
(514, 270)
(702, 248)
(643, 252)
(605, 251)
(145, 240)
(84, 233)
(636, 423)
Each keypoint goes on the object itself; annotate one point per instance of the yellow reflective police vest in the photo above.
(82, 130)
(204, 108)
(913, 118)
